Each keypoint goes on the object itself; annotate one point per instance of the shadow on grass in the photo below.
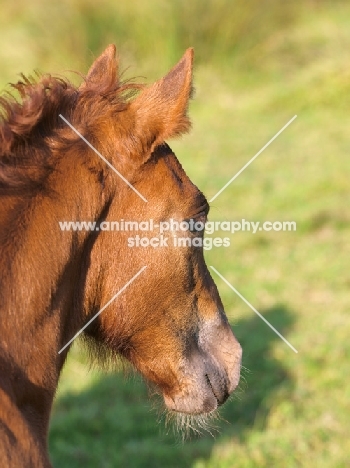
(112, 423)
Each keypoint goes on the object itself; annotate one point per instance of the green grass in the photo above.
(256, 67)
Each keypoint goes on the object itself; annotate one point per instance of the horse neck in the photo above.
(38, 296)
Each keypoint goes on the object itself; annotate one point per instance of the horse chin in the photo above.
(190, 405)
(188, 418)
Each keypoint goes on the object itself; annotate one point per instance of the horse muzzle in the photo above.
(210, 373)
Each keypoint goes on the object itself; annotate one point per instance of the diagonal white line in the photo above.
(103, 308)
(254, 157)
(254, 309)
(102, 157)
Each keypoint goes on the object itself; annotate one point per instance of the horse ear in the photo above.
(103, 72)
(161, 109)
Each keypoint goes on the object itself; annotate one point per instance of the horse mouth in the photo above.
(203, 398)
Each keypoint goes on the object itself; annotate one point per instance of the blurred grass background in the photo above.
(257, 64)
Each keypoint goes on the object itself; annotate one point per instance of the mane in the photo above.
(30, 124)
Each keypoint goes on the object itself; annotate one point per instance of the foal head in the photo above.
(170, 323)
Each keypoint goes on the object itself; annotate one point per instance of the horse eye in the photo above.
(197, 224)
